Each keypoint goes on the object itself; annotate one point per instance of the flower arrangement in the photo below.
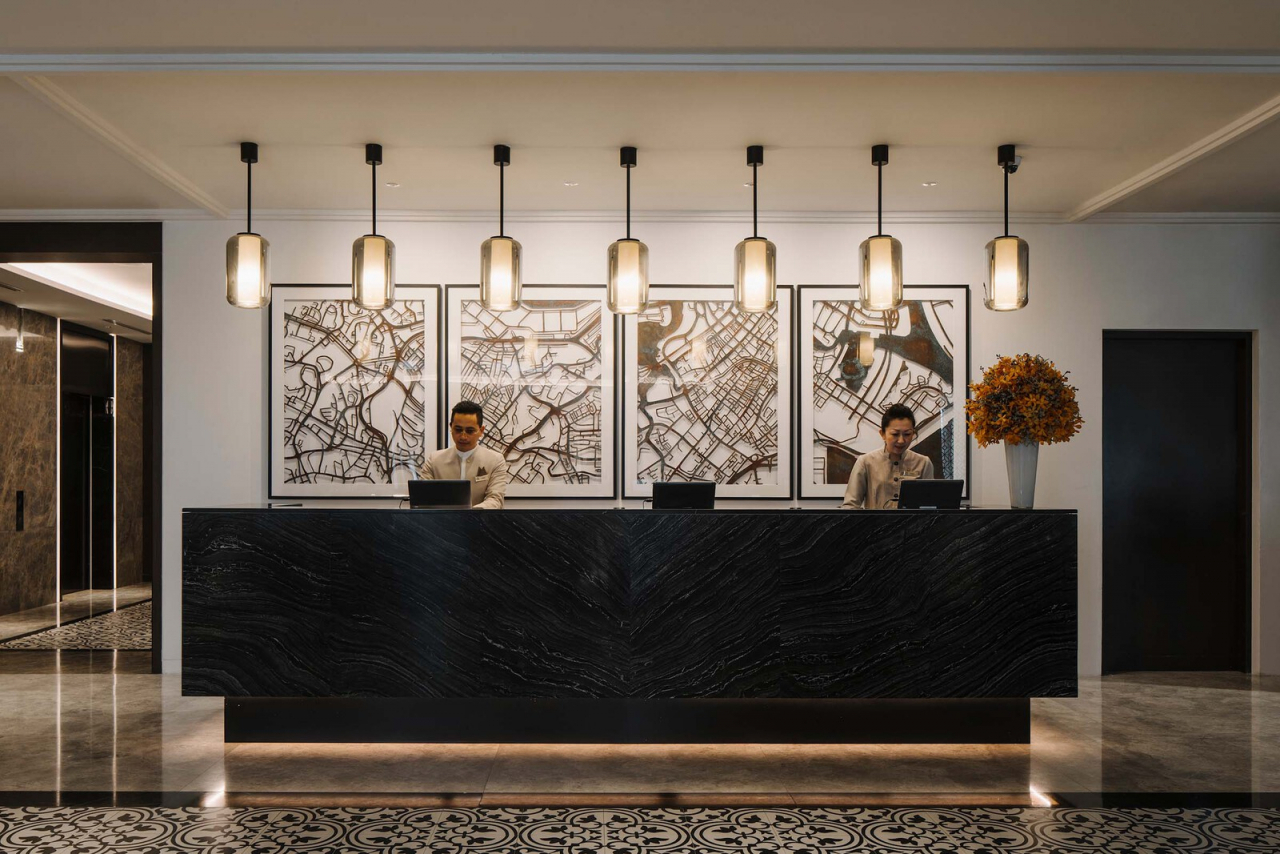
(1023, 399)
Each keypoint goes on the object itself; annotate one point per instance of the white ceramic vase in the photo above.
(1020, 460)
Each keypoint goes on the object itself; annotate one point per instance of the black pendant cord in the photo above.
(628, 204)
(248, 213)
(1006, 202)
(502, 199)
(374, 172)
(879, 200)
(755, 203)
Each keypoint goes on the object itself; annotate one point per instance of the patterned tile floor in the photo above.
(74, 606)
(672, 831)
(127, 628)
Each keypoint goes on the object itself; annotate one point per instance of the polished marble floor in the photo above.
(74, 606)
(99, 724)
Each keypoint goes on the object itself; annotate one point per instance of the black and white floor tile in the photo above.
(54, 830)
(126, 628)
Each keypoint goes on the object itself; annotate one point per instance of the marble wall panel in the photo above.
(129, 468)
(28, 457)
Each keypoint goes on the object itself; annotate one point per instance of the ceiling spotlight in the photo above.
(392, 184)
(748, 183)
(928, 183)
(571, 183)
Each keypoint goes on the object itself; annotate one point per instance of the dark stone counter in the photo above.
(628, 605)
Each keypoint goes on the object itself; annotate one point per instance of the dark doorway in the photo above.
(126, 243)
(1177, 465)
(87, 470)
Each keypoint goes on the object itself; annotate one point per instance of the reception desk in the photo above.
(628, 625)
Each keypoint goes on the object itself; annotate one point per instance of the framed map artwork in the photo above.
(545, 374)
(707, 393)
(354, 391)
(919, 357)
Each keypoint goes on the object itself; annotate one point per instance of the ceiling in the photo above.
(1071, 84)
(113, 298)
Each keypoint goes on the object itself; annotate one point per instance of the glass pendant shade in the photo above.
(1008, 266)
(881, 287)
(248, 271)
(628, 276)
(755, 279)
(866, 349)
(500, 273)
(373, 271)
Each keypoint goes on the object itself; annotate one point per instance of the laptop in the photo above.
(440, 494)
(684, 495)
(916, 494)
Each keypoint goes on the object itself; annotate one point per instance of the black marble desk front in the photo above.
(611, 604)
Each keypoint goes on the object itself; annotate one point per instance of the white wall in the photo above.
(1085, 278)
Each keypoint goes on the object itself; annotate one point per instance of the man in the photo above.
(876, 475)
(466, 460)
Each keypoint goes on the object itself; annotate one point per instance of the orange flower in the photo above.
(1023, 399)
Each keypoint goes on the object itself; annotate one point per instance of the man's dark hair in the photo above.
(895, 412)
(470, 407)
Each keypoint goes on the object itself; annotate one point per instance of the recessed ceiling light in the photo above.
(748, 183)
(928, 183)
(571, 183)
(393, 184)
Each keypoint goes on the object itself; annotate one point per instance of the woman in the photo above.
(874, 482)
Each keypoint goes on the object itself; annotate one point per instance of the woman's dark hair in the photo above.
(895, 412)
(469, 407)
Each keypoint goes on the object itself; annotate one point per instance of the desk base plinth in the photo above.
(517, 721)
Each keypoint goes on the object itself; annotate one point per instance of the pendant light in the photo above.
(755, 280)
(373, 257)
(1008, 257)
(500, 256)
(881, 287)
(628, 259)
(248, 270)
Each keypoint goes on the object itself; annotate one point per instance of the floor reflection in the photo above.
(100, 722)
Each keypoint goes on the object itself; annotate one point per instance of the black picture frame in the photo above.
(789, 291)
(611, 441)
(802, 376)
(281, 291)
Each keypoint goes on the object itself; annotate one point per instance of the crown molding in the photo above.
(1258, 117)
(1187, 218)
(609, 217)
(86, 118)
(102, 215)
(681, 216)
(48, 63)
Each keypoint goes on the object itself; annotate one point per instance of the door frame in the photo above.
(1245, 563)
(128, 243)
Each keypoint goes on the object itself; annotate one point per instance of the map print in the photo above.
(914, 365)
(707, 394)
(351, 394)
(538, 370)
